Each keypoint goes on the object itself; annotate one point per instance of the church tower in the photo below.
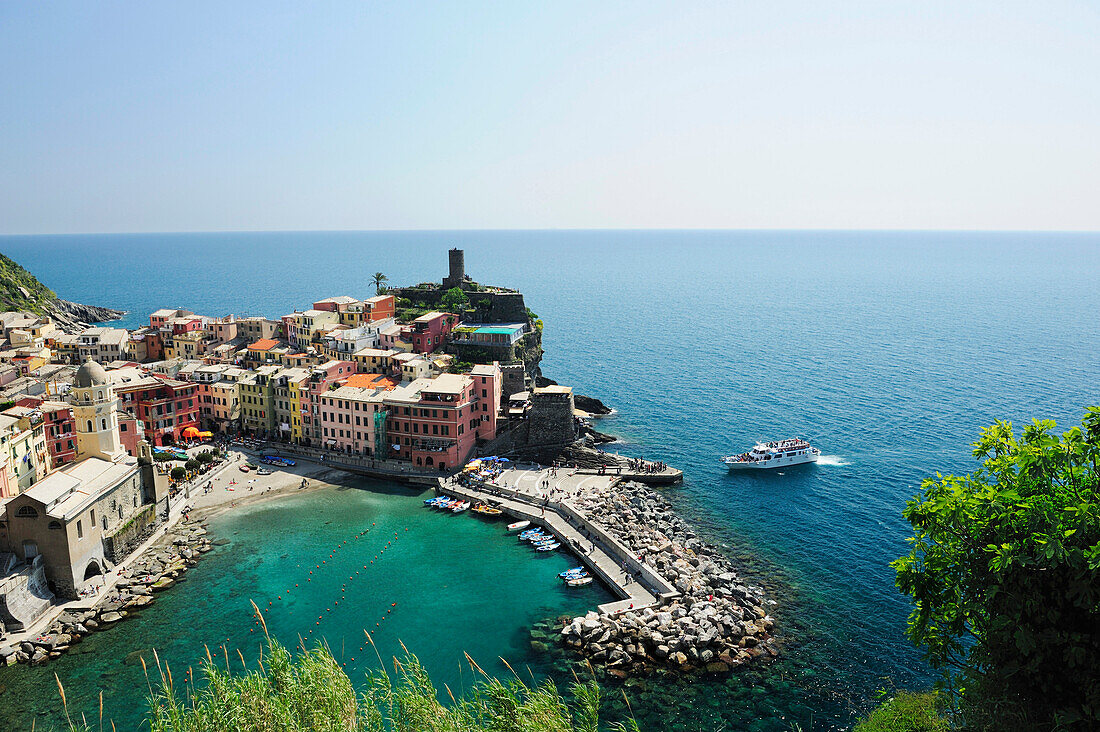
(95, 411)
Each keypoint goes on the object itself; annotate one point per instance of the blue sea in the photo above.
(888, 350)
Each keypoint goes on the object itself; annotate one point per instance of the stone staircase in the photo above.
(24, 595)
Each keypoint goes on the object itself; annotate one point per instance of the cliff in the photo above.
(21, 290)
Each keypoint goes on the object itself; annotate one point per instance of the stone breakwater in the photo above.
(159, 568)
(716, 624)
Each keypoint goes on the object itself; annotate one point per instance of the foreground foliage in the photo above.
(1005, 574)
(906, 712)
(311, 693)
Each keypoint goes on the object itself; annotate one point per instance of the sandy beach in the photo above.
(230, 488)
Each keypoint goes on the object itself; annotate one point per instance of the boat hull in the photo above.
(779, 462)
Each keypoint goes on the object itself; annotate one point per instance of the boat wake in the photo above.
(832, 460)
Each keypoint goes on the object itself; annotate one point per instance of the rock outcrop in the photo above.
(717, 623)
(73, 317)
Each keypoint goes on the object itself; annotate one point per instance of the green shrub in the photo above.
(191, 464)
(205, 457)
(178, 473)
(906, 712)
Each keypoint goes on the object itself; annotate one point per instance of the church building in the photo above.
(88, 516)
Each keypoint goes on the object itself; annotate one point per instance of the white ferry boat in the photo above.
(781, 454)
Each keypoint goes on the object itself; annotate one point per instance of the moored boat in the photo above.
(460, 506)
(519, 525)
(548, 547)
(779, 454)
(485, 510)
(578, 581)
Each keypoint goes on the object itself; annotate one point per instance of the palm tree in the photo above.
(379, 278)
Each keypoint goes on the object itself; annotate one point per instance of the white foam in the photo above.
(832, 460)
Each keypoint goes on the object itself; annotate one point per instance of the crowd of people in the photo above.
(644, 466)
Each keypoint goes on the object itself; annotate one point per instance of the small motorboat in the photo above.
(537, 537)
(487, 510)
(531, 533)
(244, 468)
(519, 525)
(548, 547)
(548, 539)
(574, 571)
(263, 471)
(460, 506)
(578, 581)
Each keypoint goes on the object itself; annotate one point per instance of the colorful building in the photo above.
(165, 406)
(428, 332)
(432, 422)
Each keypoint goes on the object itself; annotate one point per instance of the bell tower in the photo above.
(95, 411)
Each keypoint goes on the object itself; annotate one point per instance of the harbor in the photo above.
(681, 607)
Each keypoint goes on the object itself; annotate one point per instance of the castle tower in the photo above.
(95, 411)
(457, 273)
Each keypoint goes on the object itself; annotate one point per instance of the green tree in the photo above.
(178, 473)
(1004, 570)
(454, 299)
(205, 457)
(191, 464)
(380, 283)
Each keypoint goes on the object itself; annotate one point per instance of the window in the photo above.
(93, 515)
(54, 526)
(26, 512)
(79, 530)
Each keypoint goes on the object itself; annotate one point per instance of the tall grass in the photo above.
(308, 691)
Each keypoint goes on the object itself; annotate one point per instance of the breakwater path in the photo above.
(682, 604)
(540, 496)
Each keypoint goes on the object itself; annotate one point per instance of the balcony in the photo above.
(431, 444)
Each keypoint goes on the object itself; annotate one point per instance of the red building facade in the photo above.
(166, 407)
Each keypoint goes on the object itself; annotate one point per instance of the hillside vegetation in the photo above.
(20, 290)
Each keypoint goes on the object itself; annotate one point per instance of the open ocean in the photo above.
(888, 350)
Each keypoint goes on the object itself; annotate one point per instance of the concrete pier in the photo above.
(545, 498)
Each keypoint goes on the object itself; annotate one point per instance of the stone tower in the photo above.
(457, 273)
(95, 411)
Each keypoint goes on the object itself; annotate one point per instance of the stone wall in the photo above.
(119, 545)
(550, 420)
(513, 379)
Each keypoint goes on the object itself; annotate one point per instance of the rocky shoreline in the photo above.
(158, 569)
(717, 623)
(72, 317)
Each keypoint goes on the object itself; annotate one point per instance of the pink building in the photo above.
(427, 332)
(131, 431)
(488, 386)
(349, 415)
(432, 422)
(321, 380)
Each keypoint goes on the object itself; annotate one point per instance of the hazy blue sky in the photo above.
(155, 116)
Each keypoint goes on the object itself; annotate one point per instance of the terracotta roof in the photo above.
(264, 344)
(371, 381)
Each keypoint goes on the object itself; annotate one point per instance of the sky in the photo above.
(204, 116)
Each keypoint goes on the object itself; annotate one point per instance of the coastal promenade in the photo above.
(381, 469)
(544, 497)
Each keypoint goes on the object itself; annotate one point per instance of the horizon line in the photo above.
(555, 229)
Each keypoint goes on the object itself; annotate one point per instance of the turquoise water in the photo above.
(889, 350)
(325, 565)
